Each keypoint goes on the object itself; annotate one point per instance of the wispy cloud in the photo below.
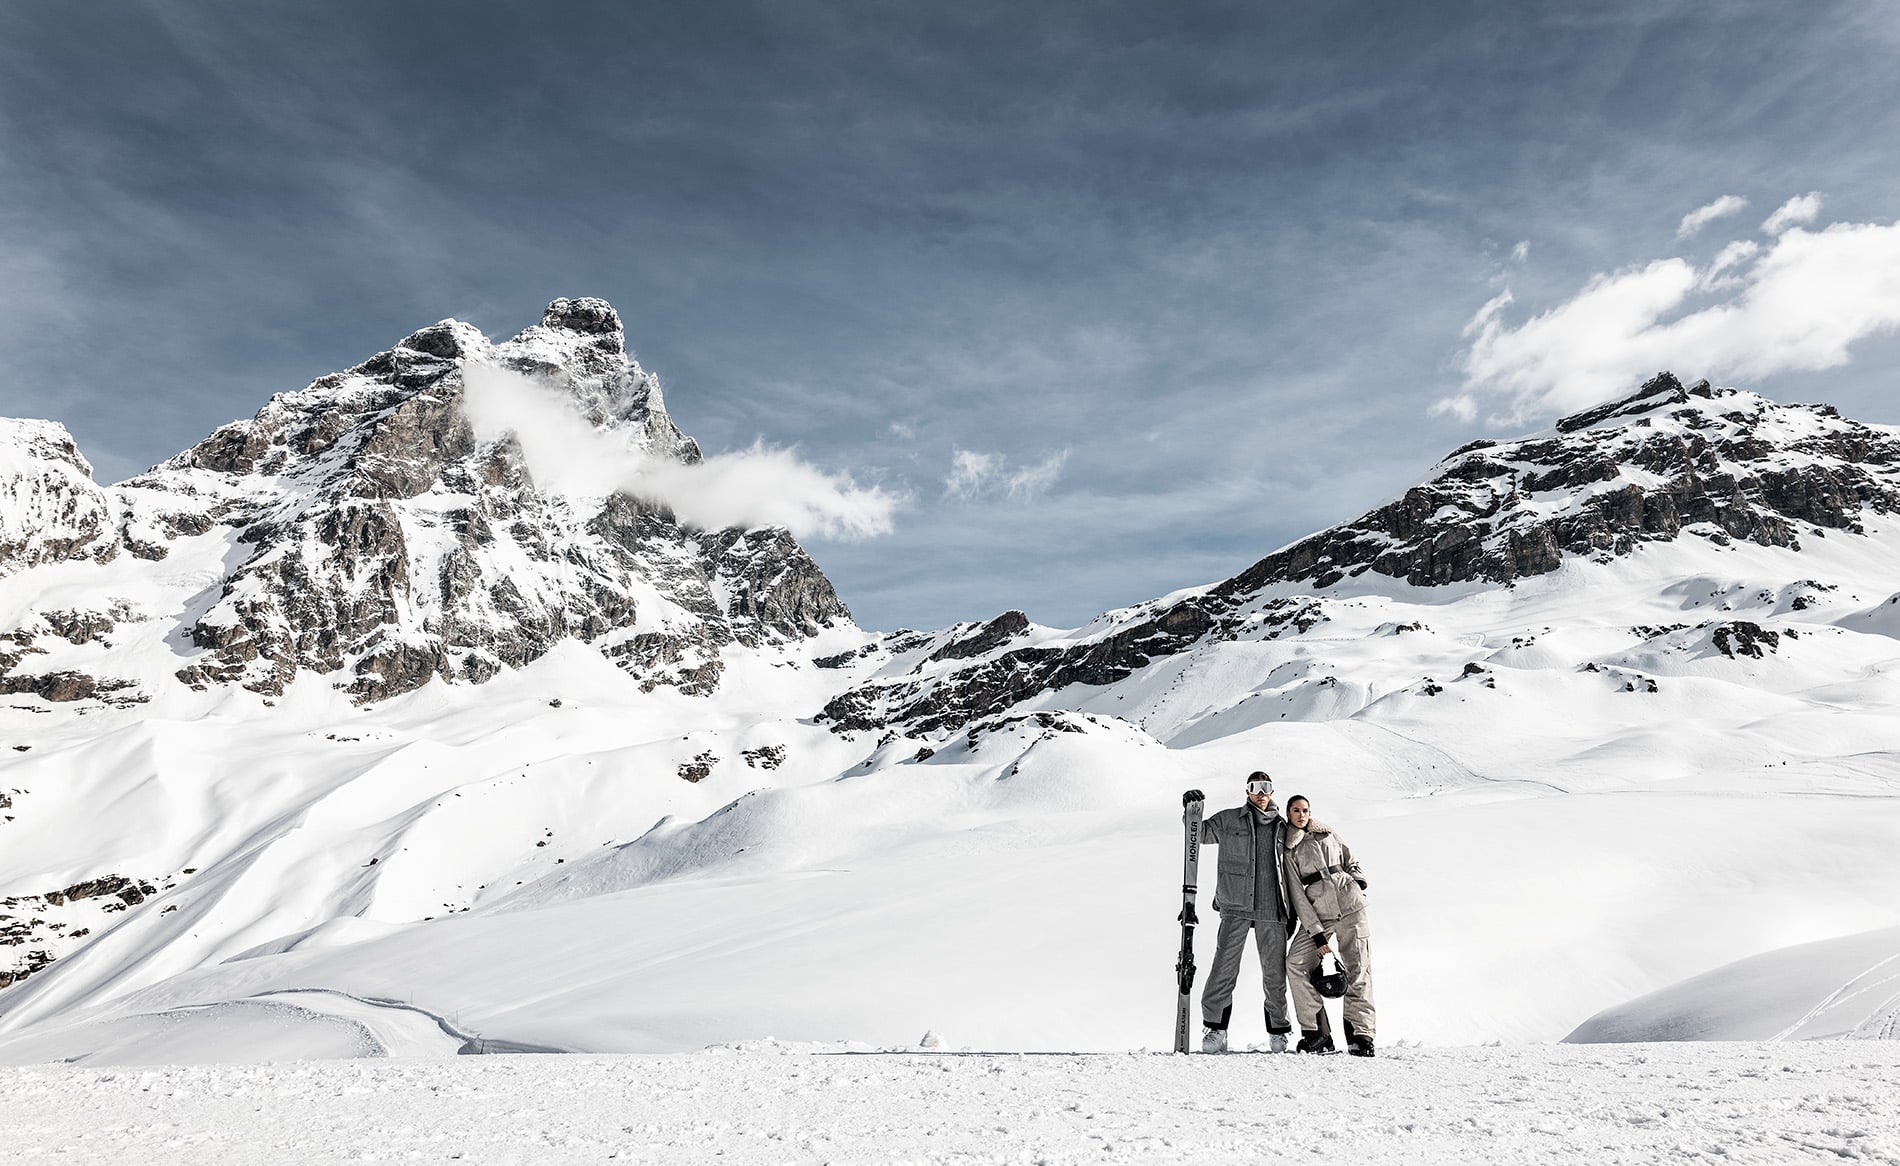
(760, 486)
(1800, 304)
(1702, 216)
(975, 475)
(1802, 208)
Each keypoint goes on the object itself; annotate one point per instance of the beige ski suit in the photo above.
(1329, 895)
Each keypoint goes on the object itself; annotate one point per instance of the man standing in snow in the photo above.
(1251, 893)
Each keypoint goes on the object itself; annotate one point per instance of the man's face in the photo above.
(1260, 794)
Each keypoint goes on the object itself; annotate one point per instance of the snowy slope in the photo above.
(1571, 787)
(1845, 987)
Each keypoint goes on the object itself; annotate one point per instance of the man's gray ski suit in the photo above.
(1252, 891)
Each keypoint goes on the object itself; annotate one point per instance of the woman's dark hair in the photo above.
(1298, 798)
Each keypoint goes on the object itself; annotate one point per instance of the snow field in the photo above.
(544, 876)
(1603, 1105)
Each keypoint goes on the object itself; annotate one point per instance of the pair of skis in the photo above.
(1191, 802)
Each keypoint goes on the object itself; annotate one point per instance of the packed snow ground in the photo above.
(1596, 1104)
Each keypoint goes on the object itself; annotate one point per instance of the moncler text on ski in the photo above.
(1190, 866)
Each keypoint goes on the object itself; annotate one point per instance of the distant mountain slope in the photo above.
(1715, 466)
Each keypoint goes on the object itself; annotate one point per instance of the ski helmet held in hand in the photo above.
(1333, 985)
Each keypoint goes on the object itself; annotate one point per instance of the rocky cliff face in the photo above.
(1667, 462)
(50, 508)
(367, 533)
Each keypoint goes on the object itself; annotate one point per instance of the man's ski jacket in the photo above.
(1243, 845)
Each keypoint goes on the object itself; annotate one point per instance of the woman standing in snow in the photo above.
(1331, 903)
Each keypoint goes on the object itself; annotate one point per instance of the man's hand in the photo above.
(1324, 948)
(1192, 796)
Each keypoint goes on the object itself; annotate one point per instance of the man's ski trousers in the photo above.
(1217, 999)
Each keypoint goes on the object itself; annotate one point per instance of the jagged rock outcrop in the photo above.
(1668, 461)
(365, 529)
(50, 508)
(1724, 464)
(948, 699)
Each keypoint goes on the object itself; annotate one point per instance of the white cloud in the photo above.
(1702, 216)
(970, 473)
(1733, 254)
(761, 486)
(976, 475)
(1522, 251)
(1802, 208)
(1032, 482)
(1799, 305)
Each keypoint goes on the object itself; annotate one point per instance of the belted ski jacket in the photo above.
(1234, 833)
(1328, 884)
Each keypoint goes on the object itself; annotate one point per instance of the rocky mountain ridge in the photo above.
(1668, 461)
(360, 529)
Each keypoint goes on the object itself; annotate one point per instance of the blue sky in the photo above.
(1117, 297)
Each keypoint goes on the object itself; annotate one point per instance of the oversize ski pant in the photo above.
(1352, 942)
(1217, 999)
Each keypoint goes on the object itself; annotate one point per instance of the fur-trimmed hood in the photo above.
(1295, 836)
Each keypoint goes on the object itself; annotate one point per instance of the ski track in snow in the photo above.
(1880, 1020)
(1606, 1104)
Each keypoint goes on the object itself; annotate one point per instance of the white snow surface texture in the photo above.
(1624, 1105)
(1608, 820)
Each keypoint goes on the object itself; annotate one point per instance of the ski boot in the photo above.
(1357, 1043)
(1315, 1042)
(1214, 1040)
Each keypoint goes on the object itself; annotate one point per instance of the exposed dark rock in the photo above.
(104, 885)
(439, 340)
(699, 768)
(35, 961)
(842, 659)
(985, 639)
(60, 687)
(585, 314)
(771, 584)
(1744, 638)
(765, 756)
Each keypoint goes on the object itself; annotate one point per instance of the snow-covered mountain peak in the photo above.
(50, 508)
(1664, 462)
(589, 317)
(365, 525)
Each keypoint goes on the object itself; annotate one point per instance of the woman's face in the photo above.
(1299, 813)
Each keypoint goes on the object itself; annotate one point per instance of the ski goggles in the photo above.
(1259, 787)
